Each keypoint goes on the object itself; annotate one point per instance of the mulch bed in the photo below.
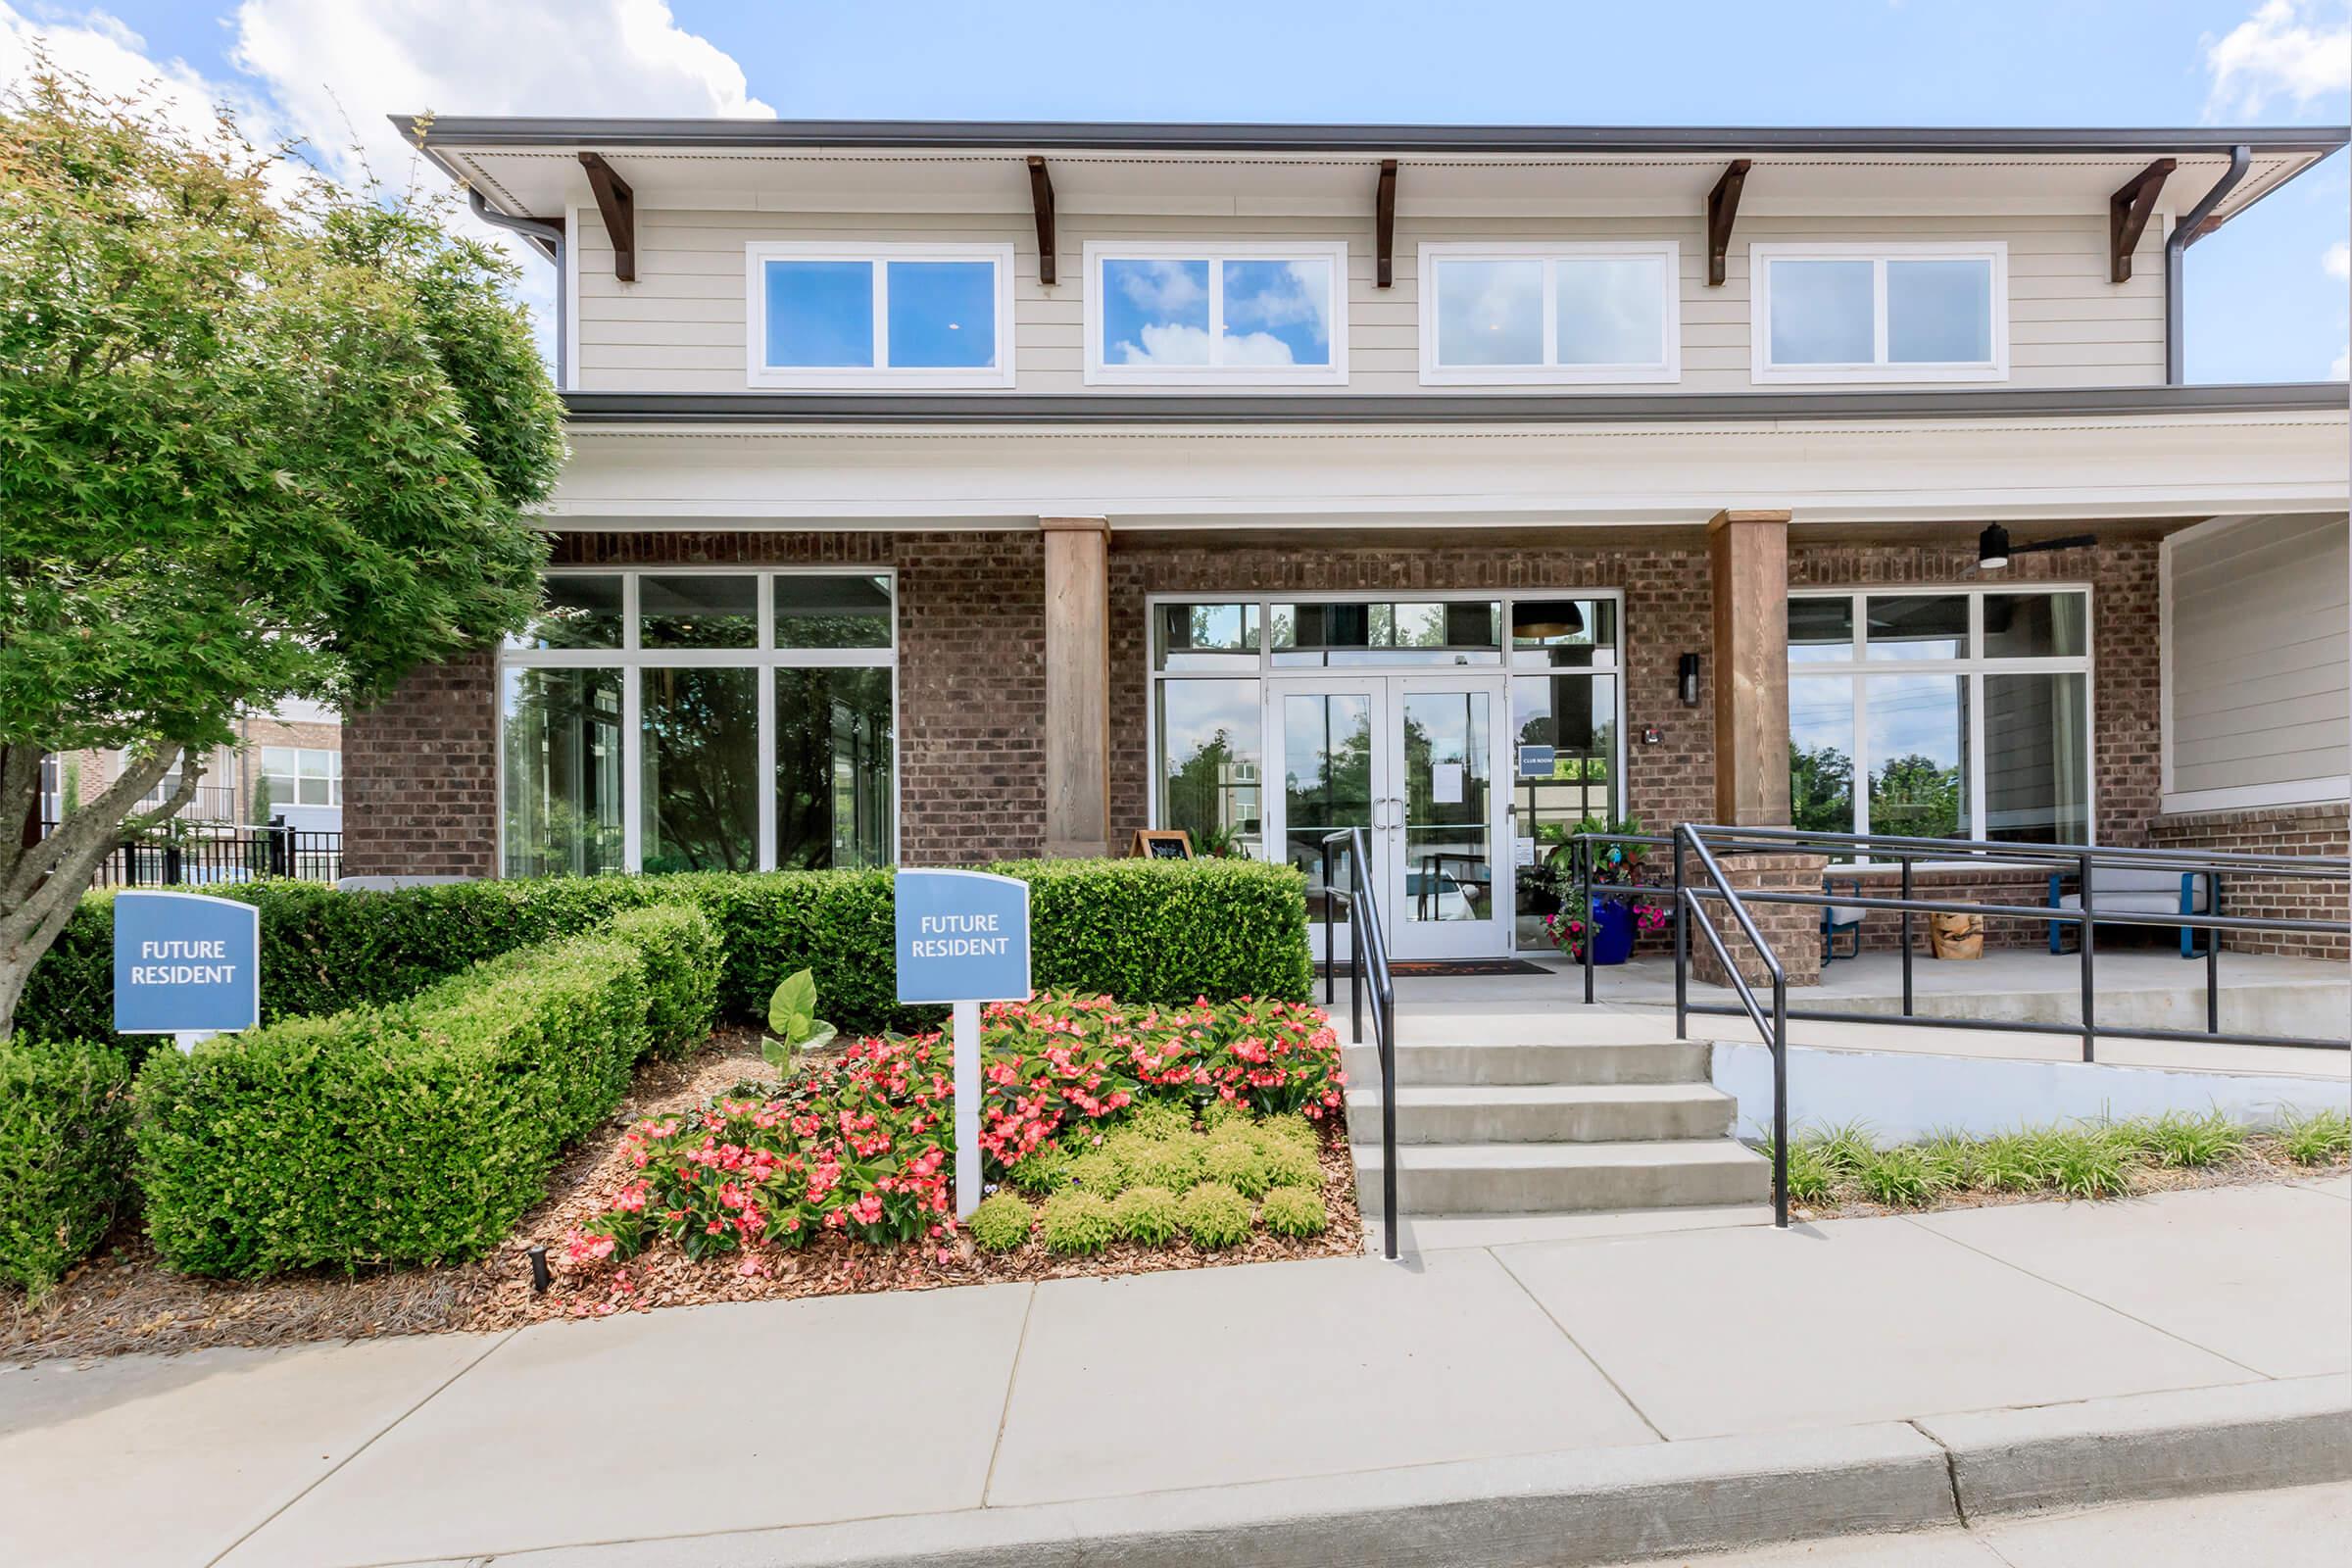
(122, 1300)
(2262, 1164)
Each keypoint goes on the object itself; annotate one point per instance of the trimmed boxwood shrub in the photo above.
(1143, 931)
(412, 1133)
(679, 958)
(1296, 1211)
(1002, 1223)
(65, 1154)
(1076, 1223)
(1214, 1215)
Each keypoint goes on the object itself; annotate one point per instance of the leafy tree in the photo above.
(1821, 789)
(1914, 797)
(261, 438)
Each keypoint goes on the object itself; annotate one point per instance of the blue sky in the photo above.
(2267, 300)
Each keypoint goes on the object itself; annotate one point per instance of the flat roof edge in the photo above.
(500, 130)
(1351, 408)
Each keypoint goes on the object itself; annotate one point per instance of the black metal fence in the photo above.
(211, 855)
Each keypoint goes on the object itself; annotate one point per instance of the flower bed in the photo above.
(865, 1144)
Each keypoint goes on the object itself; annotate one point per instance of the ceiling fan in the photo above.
(1993, 548)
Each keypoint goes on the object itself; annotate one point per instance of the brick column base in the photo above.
(1792, 929)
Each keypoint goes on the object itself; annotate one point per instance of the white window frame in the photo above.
(334, 776)
(1215, 253)
(1667, 368)
(881, 375)
(1973, 667)
(631, 659)
(1761, 256)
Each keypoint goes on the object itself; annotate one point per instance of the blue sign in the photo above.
(1534, 762)
(186, 963)
(963, 936)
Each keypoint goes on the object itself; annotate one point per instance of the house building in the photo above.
(286, 763)
(949, 492)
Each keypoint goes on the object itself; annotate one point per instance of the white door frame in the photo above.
(1412, 936)
(1386, 696)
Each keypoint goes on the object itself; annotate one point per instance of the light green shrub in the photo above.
(1214, 1215)
(2082, 1164)
(1001, 1223)
(1098, 1171)
(2185, 1142)
(1239, 1163)
(1296, 1211)
(1170, 1163)
(1221, 1114)
(1147, 1214)
(1900, 1177)
(1294, 1128)
(1158, 1118)
(1041, 1171)
(1077, 1223)
(1290, 1165)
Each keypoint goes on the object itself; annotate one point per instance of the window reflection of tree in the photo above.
(833, 764)
(562, 771)
(701, 745)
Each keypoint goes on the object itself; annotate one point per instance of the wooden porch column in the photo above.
(1747, 558)
(1077, 686)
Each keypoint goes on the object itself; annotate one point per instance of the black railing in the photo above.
(1701, 845)
(1367, 971)
(209, 854)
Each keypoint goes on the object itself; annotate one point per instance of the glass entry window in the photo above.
(1464, 735)
(700, 720)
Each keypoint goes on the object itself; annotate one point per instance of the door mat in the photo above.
(1425, 968)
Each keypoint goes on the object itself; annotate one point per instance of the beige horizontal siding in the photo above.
(2260, 648)
(682, 327)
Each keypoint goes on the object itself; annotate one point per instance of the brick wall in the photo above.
(972, 677)
(972, 702)
(421, 776)
(2320, 829)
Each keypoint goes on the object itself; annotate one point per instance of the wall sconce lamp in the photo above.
(1686, 679)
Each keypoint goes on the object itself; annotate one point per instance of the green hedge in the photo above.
(65, 1154)
(679, 959)
(411, 1133)
(1139, 930)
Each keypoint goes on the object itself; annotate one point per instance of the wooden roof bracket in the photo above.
(1384, 226)
(2127, 213)
(1723, 206)
(1041, 197)
(617, 204)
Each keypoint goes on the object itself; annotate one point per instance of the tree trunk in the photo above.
(42, 878)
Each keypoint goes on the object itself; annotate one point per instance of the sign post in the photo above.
(186, 964)
(963, 939)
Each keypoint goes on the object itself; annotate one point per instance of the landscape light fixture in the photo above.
(1993, 548)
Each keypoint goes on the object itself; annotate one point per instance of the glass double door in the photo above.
(1411, 760)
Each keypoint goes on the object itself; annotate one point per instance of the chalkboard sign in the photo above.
(1157, 843)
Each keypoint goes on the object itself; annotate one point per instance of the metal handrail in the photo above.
(1367, 970)
(2082, 860)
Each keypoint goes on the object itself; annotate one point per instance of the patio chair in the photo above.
(2140, 891)
(1840, 919)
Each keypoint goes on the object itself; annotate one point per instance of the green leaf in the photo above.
(792, 1008)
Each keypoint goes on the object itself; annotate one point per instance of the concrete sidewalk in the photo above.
(1831, 1370)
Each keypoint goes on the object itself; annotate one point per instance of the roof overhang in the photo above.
(1096, 411)
(1216, 468)
(528, 166)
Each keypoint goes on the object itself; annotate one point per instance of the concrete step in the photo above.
(1538, 1113)
(1668, 1062)
(1564, 1178)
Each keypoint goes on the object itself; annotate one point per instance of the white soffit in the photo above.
(543, 181)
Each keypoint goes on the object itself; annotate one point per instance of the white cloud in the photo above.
(328, 72)
(2338, 262)
(2295, 49)
(113, 60)
(1165, 343)
(2341, 368)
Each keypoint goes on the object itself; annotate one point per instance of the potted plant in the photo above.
(1614, 922)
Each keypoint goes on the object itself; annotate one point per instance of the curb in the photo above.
(2291, 1433)
(1586, 1508)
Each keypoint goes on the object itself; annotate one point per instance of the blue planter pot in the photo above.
(1612, 931)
